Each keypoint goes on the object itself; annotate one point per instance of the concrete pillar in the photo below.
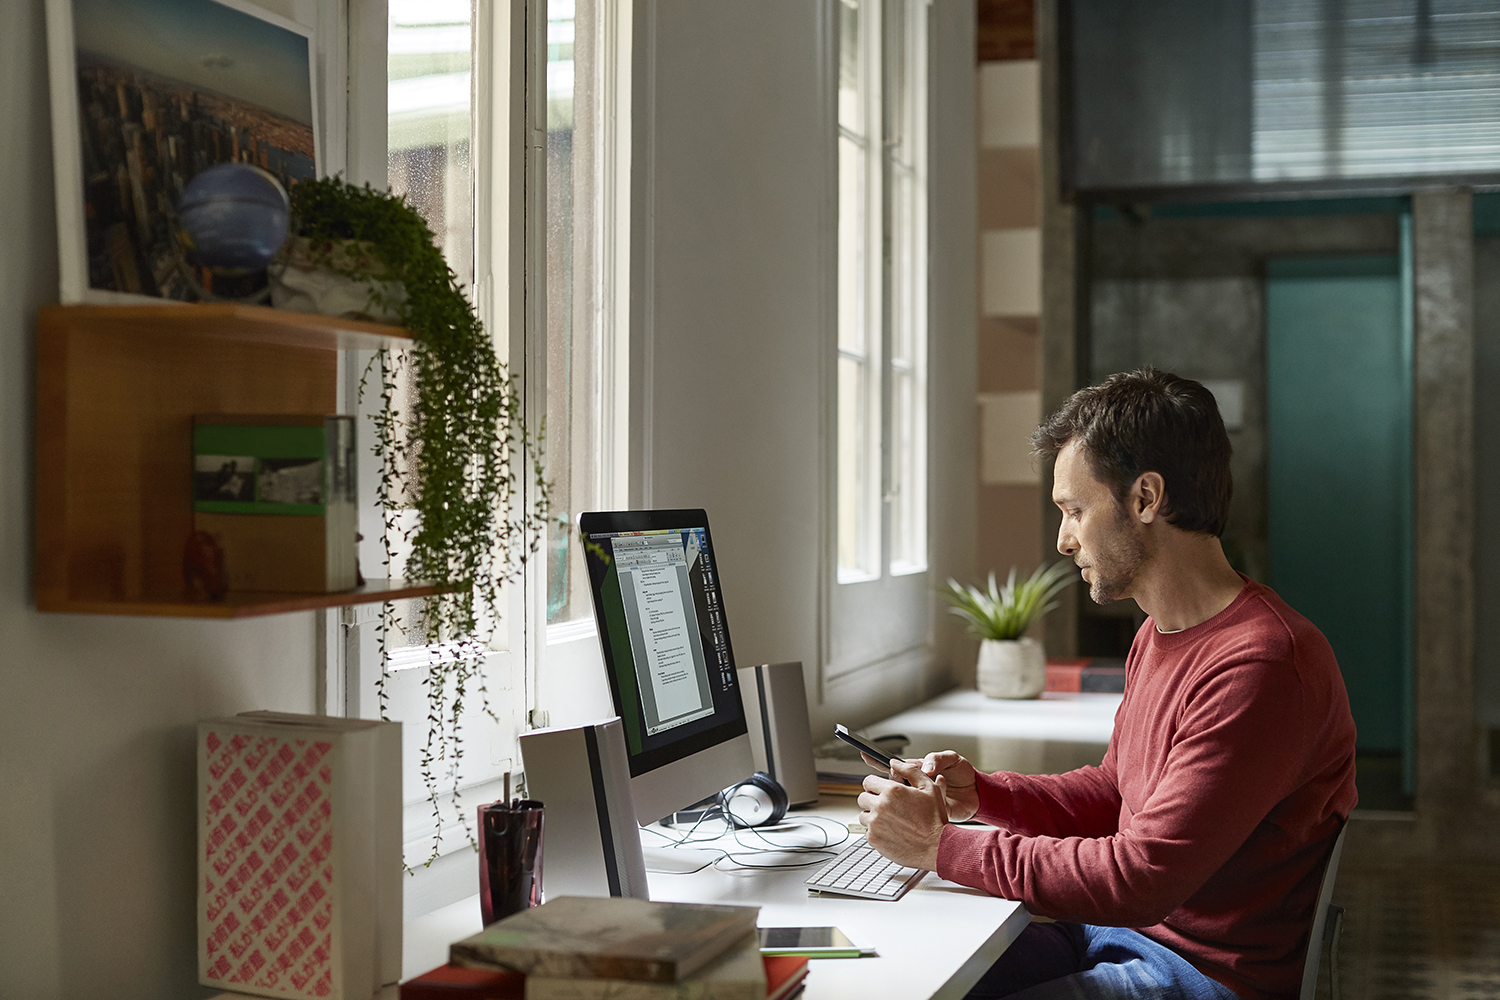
(1064, 308)
(1443, 461)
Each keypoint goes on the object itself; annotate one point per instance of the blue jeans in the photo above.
(1065, 961)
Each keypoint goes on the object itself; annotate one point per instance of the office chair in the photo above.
(1328, 925)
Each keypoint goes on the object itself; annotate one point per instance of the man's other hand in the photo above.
(958, 784)
(905, 821)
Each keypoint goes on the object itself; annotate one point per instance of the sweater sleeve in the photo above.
(1081, 803)
(1237, 752)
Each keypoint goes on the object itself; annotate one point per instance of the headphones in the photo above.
(759, 800)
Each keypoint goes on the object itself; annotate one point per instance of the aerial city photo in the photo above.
(164, 93)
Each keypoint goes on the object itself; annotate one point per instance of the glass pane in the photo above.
(573, 353)
(895, 49)
(851, 68)
(429, 48)
(428, 107)
(853, 264)
(908, 474)
(853, 467)
(907, 223)
(904, 266)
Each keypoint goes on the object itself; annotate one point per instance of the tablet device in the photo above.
(843, 733)
(814, 942)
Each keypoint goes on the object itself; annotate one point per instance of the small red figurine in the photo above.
(203, 568)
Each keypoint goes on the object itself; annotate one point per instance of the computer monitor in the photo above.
(668, 656)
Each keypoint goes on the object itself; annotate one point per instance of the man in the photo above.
(1230, 770)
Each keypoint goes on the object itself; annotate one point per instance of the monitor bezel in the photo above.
(596, 522)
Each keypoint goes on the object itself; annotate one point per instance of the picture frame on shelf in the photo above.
(145, 95)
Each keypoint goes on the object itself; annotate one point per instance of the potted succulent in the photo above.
(454, 449)
(1011, 664)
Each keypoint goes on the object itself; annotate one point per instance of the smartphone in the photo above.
(854, 741)
(814, 942)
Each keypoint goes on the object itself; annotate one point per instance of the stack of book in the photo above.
(575, 948)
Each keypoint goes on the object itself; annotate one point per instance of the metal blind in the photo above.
(1242, 92)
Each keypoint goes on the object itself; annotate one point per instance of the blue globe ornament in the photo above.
(236, 214)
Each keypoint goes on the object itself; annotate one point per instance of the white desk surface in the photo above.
(1048, 735)
(936, 941)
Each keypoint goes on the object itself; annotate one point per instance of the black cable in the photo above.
(828, 848)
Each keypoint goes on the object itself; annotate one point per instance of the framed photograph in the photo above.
(146, 94)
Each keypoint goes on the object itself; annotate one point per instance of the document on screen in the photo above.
(660, 616)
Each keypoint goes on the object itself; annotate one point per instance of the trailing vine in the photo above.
(453, 455)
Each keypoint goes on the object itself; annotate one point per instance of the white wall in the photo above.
(97, 714)
(734, 215)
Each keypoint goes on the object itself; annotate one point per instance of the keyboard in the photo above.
(860, 871)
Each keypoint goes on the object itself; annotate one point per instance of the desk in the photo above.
(1048, 735)
(936, 941)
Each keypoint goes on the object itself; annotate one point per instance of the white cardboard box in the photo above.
(299, 855)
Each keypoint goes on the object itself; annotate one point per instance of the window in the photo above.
(431, 49)
(882, 289)
(583, 381)
(578, 246)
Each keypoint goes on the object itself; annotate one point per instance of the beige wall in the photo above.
(736, 301)
(1008, 365)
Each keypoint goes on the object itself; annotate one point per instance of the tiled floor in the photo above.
(1418, 932)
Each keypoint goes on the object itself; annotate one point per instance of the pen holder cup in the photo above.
(510, 857)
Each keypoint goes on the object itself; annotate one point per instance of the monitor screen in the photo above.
(663, 632)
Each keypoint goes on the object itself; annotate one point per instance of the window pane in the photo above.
(851, 68)
(853, 468)
(895, 50)
(853, 265)
(428, 95)
(907, 221)
(427, 161)
(573, 351)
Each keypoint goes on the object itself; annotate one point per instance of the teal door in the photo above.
(1338, 346)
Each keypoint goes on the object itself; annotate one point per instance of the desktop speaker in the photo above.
(780, 731)
(592, 845)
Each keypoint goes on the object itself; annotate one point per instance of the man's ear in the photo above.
(1148, 496)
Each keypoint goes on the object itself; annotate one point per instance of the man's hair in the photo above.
(1150, 421)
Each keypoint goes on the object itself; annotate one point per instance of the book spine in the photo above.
(1064, 677)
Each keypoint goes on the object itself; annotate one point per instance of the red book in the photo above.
(452, 982)
(1086, 675)
(1065, 675)
(784, 975)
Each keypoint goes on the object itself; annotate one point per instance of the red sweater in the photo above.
(1209, 822)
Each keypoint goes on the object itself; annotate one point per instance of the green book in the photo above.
(610, 937)
(277, 491)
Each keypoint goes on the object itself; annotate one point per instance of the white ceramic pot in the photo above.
(301, 284)
(1012, 668)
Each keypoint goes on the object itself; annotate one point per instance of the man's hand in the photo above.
(958, 785)
(905, 821)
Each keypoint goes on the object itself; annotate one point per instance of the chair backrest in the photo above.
(1320, 918)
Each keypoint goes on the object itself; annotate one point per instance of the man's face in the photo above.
(1097, 530)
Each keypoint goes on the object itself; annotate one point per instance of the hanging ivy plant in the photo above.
(455, 457)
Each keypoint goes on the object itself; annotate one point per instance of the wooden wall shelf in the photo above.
(117, 388)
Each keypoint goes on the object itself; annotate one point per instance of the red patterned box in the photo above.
(299, 855)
